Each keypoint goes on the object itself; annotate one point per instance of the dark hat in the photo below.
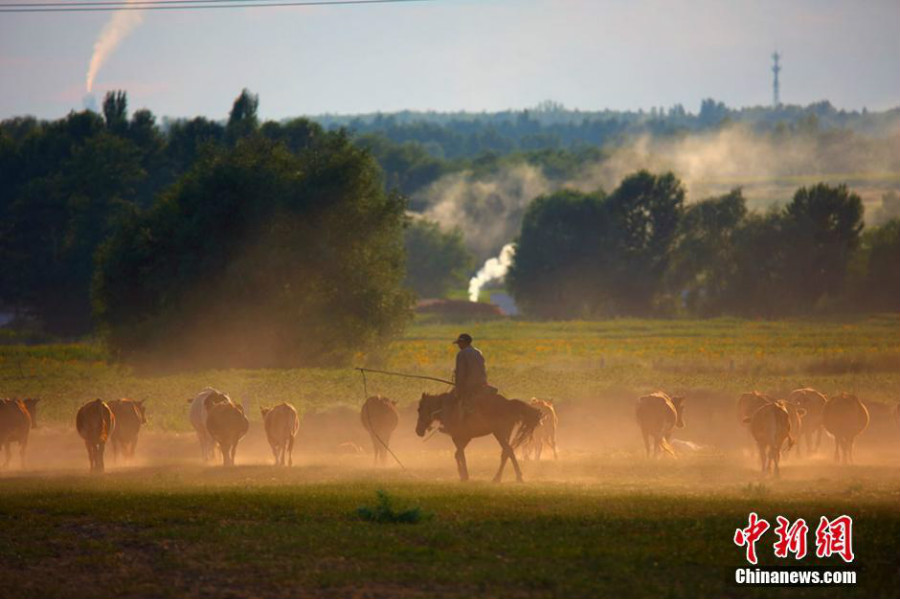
(464, 337)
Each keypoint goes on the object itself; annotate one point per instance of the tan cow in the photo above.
(657, 414)
(281, 424)
(379, 417)
(845, 417)
(17, 418)
(771, 427)
(814, 403)
(130, 415)
(226, 424)
(95, 423)
(748, 403)
(545, 433)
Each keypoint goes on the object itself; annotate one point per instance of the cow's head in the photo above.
(678, 402)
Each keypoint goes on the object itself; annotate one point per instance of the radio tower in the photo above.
(776, 68)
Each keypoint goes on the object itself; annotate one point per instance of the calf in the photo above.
(130, 415)
(845, 417)
(770, 426)
(545, 433)
(814, 403)
(226, 424)
(379, 417)
(95, 423)
(197, 416)
(281, 424)
(17, 418)
(657, 414)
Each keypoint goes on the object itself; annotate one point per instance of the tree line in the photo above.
(642, 251)
(281, 243)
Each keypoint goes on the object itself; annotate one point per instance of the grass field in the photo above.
(565, 360)
(619, 531)
(601, 521)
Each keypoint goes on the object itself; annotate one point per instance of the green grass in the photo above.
(260, 531)
(563, 360)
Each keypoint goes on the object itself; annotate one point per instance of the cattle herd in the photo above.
(775, 426)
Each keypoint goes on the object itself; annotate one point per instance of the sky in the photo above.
(449, 55)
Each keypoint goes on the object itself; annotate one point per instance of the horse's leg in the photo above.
(461, 457)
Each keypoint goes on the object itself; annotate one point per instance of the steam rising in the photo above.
(116, 29)
(494, 268)
(489, 208)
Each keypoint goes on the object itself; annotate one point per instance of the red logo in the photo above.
(832, 537)
(835, 536)
(750, 535)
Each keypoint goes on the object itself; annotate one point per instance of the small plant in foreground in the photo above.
(384, 512)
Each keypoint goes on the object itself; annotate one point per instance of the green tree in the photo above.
(703, 252)
(242, 120)
(644, 212)
(436, 260)
(115, 111)
(558, 269)
(259, 257)
(822, 228)
(880, 289)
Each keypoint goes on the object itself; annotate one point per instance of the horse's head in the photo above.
(429, 408)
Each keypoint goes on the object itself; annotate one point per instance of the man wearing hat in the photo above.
(470, 375)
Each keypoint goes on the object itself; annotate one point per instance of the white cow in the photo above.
(198, 420)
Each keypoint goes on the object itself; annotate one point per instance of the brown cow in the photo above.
(814, 403)
(130, 415)
(95, 423)
(545, 433)
(226, 424)
(771, 427)
(281, 424)
(657, 415)
(844, 418)
(379, 417)
(17, 418)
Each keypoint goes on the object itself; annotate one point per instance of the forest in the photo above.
(157, 233)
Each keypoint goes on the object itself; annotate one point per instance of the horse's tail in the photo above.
(528, 419)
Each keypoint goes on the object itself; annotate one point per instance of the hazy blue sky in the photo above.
(462, 54)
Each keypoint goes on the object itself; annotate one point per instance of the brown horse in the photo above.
(493, 415)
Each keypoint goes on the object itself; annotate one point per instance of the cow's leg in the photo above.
(538, 450)
(850, 450)
(819, 438)
(8, 450)
(646, 441)
(775, 458)
(553, 444)
(763, 459)
(100, 449)
(461, 457)
(290, 451)
(22, 446)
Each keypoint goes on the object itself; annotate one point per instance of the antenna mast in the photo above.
(776, 68)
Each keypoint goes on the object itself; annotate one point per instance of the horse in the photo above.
(493, 415)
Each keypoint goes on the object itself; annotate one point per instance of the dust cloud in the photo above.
(599, 444)
(769, 168)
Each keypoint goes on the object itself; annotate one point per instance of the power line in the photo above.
(109, 6)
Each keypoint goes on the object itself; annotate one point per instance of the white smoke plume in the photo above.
(116, 29)
(494, 268)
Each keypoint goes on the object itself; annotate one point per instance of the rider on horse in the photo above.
(470, 376)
